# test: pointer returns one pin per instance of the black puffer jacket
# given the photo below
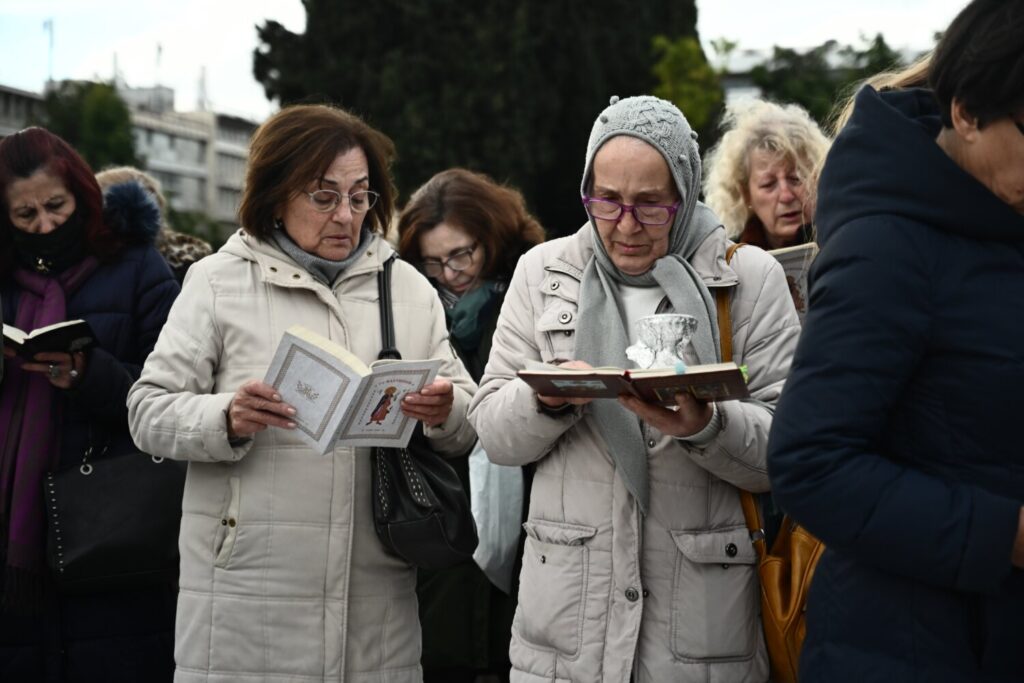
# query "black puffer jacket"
(897, 439)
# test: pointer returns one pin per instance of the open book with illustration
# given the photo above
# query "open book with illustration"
(796, 261)
(65, 337)
(711, 382)
(338, 399)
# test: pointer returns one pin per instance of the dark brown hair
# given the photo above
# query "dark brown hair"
(297, 145)
(980, 61)
(492, 214)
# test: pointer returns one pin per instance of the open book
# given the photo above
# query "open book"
(796, 261)
(66, 337)
(340, 400)
(712, 382)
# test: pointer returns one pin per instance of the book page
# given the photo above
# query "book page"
(317, 384)
(14, 334)
(375, 417)
(796, 262)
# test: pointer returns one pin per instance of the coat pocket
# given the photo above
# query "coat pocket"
(227, 532)
(715, 601)
(556, 566)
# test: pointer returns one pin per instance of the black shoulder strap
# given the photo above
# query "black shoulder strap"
(387, 320)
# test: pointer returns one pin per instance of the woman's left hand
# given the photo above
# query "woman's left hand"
(432, 404)
(687, 419)
(63, 370)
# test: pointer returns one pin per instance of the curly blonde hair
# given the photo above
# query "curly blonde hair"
(753, 124)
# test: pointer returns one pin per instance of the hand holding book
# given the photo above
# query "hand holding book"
(256, 406)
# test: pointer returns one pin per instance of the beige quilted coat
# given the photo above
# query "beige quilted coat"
(606, 592)
(282, 576)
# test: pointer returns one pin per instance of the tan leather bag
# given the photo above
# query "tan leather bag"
(785, 570)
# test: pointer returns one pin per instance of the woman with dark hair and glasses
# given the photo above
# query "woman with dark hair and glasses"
(466, 233)
(637, 563)
(282, 574)
(897, 440)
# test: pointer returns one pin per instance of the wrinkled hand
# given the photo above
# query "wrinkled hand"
(689, 417)
(62, 363)
(432, 404)
(559, 401)
(256, 406)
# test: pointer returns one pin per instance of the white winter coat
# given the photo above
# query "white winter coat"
(605, 591)
(282, 576)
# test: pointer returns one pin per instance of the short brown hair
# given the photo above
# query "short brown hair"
(492, 214)
(299, 144)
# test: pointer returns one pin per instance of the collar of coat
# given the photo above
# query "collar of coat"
(278, 268)
(570, 255)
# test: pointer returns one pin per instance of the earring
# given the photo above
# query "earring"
(278, 224)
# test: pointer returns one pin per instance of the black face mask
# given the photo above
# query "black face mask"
(53, 252)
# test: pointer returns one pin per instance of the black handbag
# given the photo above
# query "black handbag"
(420, 511)
(113, 520)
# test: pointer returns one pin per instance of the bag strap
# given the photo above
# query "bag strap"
(387, 320)
(751, 513)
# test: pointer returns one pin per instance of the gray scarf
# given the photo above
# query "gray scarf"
(601, 336)
(324, 270)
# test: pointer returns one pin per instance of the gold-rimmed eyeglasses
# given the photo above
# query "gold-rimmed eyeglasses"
(326, 201)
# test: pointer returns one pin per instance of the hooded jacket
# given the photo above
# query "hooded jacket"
(282, 575)
(897, 438)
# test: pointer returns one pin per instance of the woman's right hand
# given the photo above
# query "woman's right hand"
(256, 406)
(559, 401)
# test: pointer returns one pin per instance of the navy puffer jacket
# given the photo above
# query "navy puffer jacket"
(897, 439)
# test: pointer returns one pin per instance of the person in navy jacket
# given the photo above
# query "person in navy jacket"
(64, 256)
(897, 439)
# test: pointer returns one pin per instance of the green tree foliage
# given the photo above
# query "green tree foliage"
(686, 79)
(818, 78)
(94, 120)
(507, 88)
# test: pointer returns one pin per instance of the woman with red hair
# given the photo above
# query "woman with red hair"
(63, 256)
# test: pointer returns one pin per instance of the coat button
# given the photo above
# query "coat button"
(632, 594)
(646, 593)
(651, 443)
(223, 522)
(231, 522)
(565, 317)
(554, 286)
(731, 550)
(273, 269)
(295, 276)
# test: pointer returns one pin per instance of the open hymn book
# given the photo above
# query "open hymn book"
(65, 337)
(711, 382)
(796, 262)
(338, 399)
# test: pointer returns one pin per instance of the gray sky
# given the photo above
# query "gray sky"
(220, 35)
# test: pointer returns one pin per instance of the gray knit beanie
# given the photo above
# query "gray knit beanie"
(661, 124)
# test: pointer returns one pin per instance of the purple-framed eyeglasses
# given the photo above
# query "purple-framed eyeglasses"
(647, 214)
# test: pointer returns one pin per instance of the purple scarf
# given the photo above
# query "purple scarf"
(30, 417)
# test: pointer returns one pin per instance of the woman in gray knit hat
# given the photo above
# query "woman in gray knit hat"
(637, 565)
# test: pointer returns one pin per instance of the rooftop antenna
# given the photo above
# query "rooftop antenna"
(202, 102)
(48, 26)
(159, 53)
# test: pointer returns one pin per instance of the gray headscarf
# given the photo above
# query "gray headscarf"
(601, 337)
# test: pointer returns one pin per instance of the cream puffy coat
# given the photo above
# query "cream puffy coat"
(282, 575)
(605, 591)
